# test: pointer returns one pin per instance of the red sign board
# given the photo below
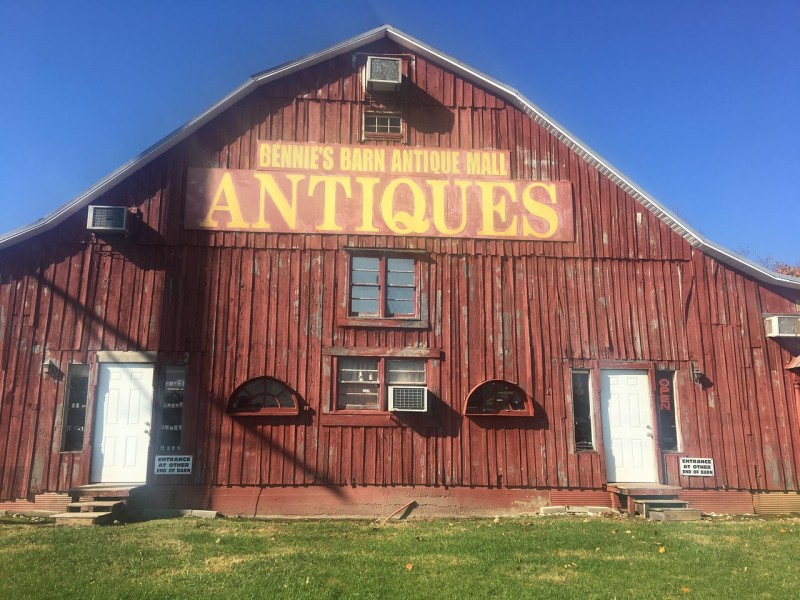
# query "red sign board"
(389, 190)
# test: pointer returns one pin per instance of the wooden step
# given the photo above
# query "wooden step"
(644, 506)
(674, 514)
(83, 518)
(103, 491)
(94, 506)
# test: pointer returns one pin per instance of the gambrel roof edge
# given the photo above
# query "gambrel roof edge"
(508, 93)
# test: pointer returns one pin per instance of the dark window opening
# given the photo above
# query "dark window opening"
(582, 411)
(382, 286)
(264, 396)
(170, 438)
(667, 422)
(498, 398)
(363, 382)
(77, 398)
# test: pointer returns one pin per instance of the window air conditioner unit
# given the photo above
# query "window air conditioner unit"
(783, 326)
(408, 398)
(109, 219)
(384, 74)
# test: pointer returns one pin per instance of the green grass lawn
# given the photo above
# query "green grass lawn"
(544, 557)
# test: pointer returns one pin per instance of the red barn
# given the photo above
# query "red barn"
(374, 276)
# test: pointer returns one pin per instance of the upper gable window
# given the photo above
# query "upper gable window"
(383, 126)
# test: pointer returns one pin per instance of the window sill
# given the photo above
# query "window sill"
(377, 419)
(383, 322)
(520, 414)
(384, 137)
(264, 413)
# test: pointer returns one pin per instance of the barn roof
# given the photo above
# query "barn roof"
(504, 91)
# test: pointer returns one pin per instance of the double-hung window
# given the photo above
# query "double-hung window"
(363, 382)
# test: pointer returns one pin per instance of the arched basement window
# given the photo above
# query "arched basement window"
(498, 398)
(263, 396)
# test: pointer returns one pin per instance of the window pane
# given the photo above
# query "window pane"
(400, 307)
(285, 399)
(365, 292)
(398, 293)
(400, 265)
(364, 307)
(494, 397)
(358, 369)
(359, 384)
(366, 263)
(77, 395)
(260, 393)
(358, 396)
(582, 410)
(381, 123)
(365, 277)
(398, 278)
(667, 429)
(403, 371)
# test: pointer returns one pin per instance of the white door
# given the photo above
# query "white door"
(628, 427)
(123, 413)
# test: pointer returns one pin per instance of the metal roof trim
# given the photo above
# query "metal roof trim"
(583, 150)
(67, 210)
(170, 140)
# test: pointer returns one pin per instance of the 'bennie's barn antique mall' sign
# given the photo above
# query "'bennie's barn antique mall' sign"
(379, 190)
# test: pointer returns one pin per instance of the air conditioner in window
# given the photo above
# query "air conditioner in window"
(783, 326)
(109, 219)
(406, 398)
(384, 74)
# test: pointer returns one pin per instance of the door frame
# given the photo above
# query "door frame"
(143, 359)
(613, 365)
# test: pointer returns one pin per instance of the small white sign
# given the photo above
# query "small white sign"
(180, 464)
(697, 467)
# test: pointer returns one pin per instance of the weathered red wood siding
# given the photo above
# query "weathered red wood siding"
(240, 305)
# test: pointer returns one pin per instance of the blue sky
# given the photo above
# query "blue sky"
(697, 102)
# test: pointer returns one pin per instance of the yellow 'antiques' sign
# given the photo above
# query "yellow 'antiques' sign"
(379, 190)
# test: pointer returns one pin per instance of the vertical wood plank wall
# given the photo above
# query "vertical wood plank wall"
(241, 305)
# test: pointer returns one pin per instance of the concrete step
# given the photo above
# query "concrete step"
(643, 507)
(83, 518)
(94, 506)
(675, 514)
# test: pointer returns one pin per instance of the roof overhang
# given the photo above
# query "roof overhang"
(509, 94)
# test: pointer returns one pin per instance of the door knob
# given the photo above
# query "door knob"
(650, 435)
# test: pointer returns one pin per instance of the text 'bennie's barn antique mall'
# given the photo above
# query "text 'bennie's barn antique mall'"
(331, 188)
